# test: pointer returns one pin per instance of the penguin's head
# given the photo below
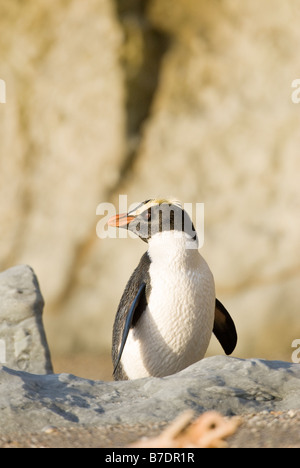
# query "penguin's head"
(153, 216)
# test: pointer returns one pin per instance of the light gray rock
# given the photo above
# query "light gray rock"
(229, 385)
(23, 344)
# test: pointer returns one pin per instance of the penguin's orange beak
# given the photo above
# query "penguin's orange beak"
(120, 220)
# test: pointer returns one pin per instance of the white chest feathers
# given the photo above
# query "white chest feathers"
(175, 329)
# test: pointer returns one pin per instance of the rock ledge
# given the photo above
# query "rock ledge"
(229, 385)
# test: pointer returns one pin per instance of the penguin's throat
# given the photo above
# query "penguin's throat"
(170, 246)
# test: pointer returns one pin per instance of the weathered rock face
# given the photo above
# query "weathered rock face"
(224, 131)
(231, 386)
(147, 98)
(23, 344)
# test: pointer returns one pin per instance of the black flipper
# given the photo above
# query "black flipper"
(224, 328)
(129, 319)
(139, 277)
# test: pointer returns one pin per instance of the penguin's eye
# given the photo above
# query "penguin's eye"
(147, 215)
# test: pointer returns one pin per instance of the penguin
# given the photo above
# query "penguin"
(168, 311)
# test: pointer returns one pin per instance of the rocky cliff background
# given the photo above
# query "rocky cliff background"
(188, 98)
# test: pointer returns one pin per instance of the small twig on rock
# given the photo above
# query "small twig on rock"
(207, 431)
